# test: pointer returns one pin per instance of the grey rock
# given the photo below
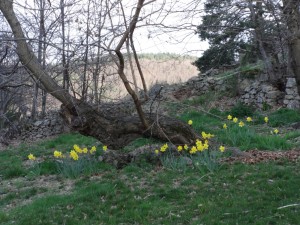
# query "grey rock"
(290, 91)
(38, 123)
(289, 97)
(291, 82)
(272, 94)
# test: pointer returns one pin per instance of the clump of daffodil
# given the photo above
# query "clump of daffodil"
(104, 148)
(190, 122)
(93, 149)
(31, 157)
(77, 149)
(58, 154)
(74, 155)
(266, 119)
(179, 148)
(225, 126)
(202, 146)
(164, 147)
(206, 135)
(249, 119)
(229, 117)
(235, 120)
(241, 124)
(222, 148)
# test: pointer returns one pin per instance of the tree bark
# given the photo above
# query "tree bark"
(117, 129)
(292, 16)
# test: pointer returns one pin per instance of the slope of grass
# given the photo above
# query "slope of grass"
(143, 193)
(237, 194)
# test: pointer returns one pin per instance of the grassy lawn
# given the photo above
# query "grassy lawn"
(40, 192)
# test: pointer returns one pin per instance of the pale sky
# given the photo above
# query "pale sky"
(171, 30)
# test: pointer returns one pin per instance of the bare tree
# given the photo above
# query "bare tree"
(107, 125)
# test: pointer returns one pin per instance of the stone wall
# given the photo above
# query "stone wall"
(51, 124)
(291, 98)
(256, 90)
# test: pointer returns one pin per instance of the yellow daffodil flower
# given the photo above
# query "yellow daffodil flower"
(190, 122)
(249, 119)
(77, 149)
(93, 149)
(276, 131)
(74, 155)
(58, 154)
(186, 147)
(31, 157)
(179, 148)
(156, 151)
(85, 150)
(164, 148)
(104, 148)
(266, 119)
(225, 126)
(222, 148)
(193, 150)
(241, 124)
(235, 120)
(229, 117)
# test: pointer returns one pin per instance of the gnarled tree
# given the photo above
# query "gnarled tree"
(109, 127)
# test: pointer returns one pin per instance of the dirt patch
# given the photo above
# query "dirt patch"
(257, 156)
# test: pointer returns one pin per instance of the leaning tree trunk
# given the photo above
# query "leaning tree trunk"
(117, 130)
(109, 127)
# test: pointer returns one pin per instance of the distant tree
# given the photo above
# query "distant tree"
(225, 26)
(241, 32)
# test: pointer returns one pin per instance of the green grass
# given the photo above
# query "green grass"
(283, 117)
(236, 194)
(145, 193)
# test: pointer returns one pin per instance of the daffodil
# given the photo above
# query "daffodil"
(85, 150)
(31, 157)
(179, 148)
(241, 124)
(58, 154)
(229, 117)
(104, 148)
(205, 146)
(190, 122)
(225, 126)
(156, 151)
(222, 148)
(266, 119)
(206, 135)
(186, 147)
(249, 119)
(276, 131)
(74, 155)
(193, 150)
(164, 148)
(235, 120)
(93, 149)
(77, 149)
